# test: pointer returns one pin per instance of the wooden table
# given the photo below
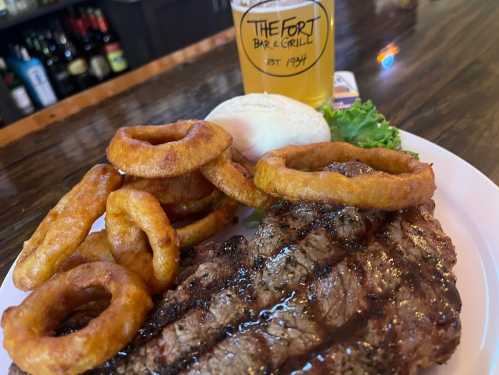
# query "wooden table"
(444, 86)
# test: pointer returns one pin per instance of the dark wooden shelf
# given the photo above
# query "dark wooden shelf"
(10, 21)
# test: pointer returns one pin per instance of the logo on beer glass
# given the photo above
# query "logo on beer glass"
(285, 40)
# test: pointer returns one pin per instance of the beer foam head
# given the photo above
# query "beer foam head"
(276, 5)
(263, 122)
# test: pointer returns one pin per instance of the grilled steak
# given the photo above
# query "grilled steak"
(320, 289)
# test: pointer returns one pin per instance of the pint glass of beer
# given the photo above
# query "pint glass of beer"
(286, 47)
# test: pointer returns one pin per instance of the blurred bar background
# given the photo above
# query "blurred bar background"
(53, 49)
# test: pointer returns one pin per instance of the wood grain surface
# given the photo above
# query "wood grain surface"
(444, 86)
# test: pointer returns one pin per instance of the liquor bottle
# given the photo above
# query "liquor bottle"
(57, 71)
(76, 64)
(111, 45)
(34, 76)
(16, 88)
(98, 66)
(94, 25)
(3, 9)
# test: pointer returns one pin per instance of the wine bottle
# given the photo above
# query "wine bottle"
(76, 64)
(114, 52)
(94, 26)
(16, 88)
(98, 66)
(56, 70)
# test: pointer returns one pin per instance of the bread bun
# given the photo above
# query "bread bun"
(263, 122)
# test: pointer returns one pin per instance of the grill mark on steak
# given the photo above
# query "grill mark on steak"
(390, 345)
(197, 288)
(301, 324)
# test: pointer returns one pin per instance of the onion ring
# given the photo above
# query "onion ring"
(131, 216)
(241, 160)
(28, 327)
(167, 150)
(402, 181)
(94, 248)
(200, 230)
(169, 190)
(235, 181)
(65, 227)
(185, 209)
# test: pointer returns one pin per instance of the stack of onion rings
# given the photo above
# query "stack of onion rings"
(28, 327)
(234, 181)
(135, 222)
(65, 227)
(402, 181)
(167, 150)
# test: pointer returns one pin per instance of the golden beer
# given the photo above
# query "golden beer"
(286, 47)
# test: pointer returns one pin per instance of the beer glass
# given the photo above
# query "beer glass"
(286, 47)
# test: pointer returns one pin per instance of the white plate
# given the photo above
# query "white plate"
(467, 205)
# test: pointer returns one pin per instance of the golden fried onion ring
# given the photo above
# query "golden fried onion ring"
(401, 181)
(167, 150)
(234, 181)
(215, 221)
(28, 327)
(131, 216)
(240, 159)
(65, 227)
(170, 190)
(186, 209)
(94, 248)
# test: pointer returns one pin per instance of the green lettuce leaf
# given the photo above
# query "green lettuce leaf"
(362, 125)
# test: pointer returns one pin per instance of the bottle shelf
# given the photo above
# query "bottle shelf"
(9, 21)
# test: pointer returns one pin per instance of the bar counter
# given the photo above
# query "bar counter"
(443, 86)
